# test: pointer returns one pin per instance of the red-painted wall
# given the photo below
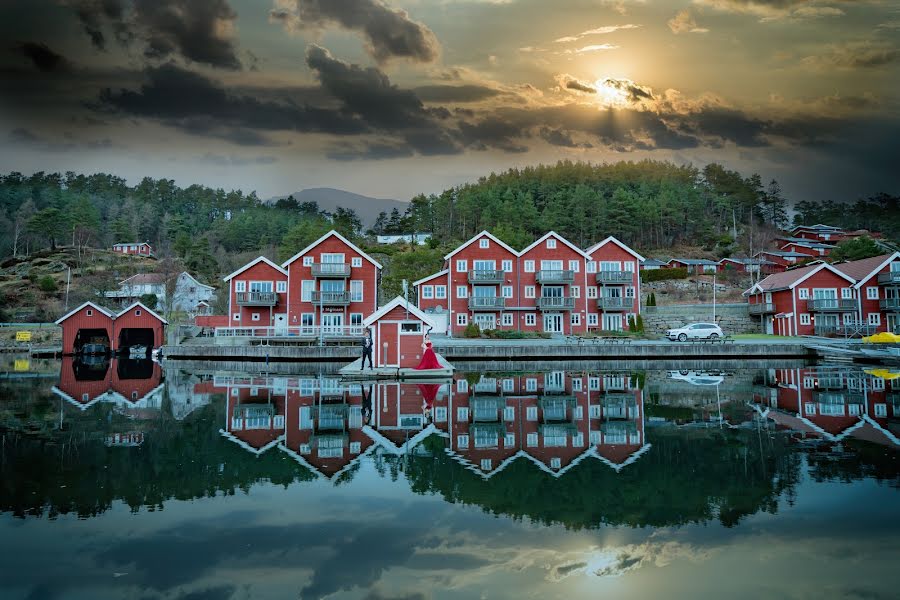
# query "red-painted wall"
(145, 320)
(82, 320)
(261, 271)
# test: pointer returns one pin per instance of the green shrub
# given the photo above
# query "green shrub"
(472, 330)
(639, 323)
(665, 274)
(149, 300)
(631, 324)
(47, 284)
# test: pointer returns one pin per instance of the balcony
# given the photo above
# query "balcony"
(491, 276)
(331, 270)
(486, 303)
(831, 305)
(256, 298)
(330, 298)
(614, 277)
(846, 397)
(891, 304)
(891, 278)
(487, 409)
(614, 304)
(555, 303)
(762, 308)
(545, 277)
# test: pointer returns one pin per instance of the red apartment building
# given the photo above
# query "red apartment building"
(257, 297)
(877, 290)
(551, 286)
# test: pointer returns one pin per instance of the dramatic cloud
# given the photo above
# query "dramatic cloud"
(683, 22)
(858, 55)
(568, 82)
(389, 32)
(43, 58)
(771, 10)
(596, 31)
(198, 30)
(455, 93)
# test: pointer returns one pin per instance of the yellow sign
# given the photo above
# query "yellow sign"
(22, 364)
(23, 336)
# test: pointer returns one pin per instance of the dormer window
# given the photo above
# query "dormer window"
(551, 244)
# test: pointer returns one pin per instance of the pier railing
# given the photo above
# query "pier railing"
(308, 331)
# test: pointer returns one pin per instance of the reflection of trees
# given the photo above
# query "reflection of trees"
(853, 461)
(688, 476)
(73, 471)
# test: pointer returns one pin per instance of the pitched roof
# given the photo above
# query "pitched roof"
(808, 244)
(480, 235)
(783, 254)
(430, 277)
(693, 261)
(792, 277)
(653, 261)
(195, 280)
(88, 303)
(618, 243)
(131, 244)
(398, 301)
(862, 270)
(144, 278)
(332, 233)
(561, 239)
(136, 304)
(250, 264)
(817, 227)
(747, 261)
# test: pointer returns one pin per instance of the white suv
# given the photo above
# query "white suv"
(708, 331)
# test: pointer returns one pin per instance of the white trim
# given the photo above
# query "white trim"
(621, 245)
(430, 277)
(88, 303)
(816, 270)
(255, 262)
(192, 278)
(889, 260)
(560, 238)
(230, 436)
(125, 310)
(477, 237)
(322, 239)
(398, 301)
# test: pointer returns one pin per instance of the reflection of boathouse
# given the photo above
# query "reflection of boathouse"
(134, 386)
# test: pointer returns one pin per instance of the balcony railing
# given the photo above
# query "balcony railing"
(892, 277)
(301, 333)
(256, 298)
(846, 397)
(331, 270)
(486, 276)
(762, 308)
(555, 303)
(486, 303)
(544, 277)
(892, 304)
(604, 303)
(330, 298)
(614, 277)
(831, 304)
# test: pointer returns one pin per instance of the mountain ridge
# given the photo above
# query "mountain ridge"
(367, 208)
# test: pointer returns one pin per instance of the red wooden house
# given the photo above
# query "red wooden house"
(616, 419)
(398, 330)
(134, 248)
(877, 290)
(782, 258)
(813, 300)
(257, 298)
(332, 284)
(616, 286)
(87, 324)
(255, 412)
(138, 325)
(809, 248)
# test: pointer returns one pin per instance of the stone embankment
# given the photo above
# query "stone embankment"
(732, 318)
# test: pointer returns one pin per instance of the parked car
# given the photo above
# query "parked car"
(696, 377)
(708, 331)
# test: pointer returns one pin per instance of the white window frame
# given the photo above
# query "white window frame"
(440, 292)
(803, 293)
(507, 265)
(591, 266)
(574, 266)
(484, 243)
(871, 293)
(138, 312)
(462, 319)
(507, 319)
(308, 261)
(356, 261)
(462, 441)
(804, 319)
(846, 293)
(254, 316)
(281, 287)
(629, 292)
(354, 296)
(576, 318)
(874, 318)
(592, 291)
(506, 291)
(307, 287)
(529, 266)
(551, 244)
(240, 286)
(530, 319)
(427, 292)
(531, 413)
(593, 319)
(462, 291)
(462, 265)
(529, 291)
(576, 291)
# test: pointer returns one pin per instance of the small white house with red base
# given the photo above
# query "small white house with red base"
(398, 331)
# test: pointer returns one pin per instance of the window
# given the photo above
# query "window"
(462, 441)
(530, 319)
(137, 312)
(427, 292)
(462, 291)
(576, 291)
(462, 266)
(89, 312)
(261, 286)
(881, 410)
(356, 261)
(507, 319)
(240, 286)
(307, 261)
(509, 440)
(847, 293)
(874, 318)
(804, 319)
(307, 319)
(529, 266)
(462, 319)
(529, 291)
(573, 265)
(462, 413)
(506, 291)
(592, 319)
(592, 291)
(356, 319)
(356, 291)
(531, 384)
(629, 292)
(307, 286)
(592, 266)
(576, 318)
(462, 386)
(555, 463)
(254, 316)
(440, 414)
(440, 291)
(803, 293)
(485, 464)
(507, 266)
(629, 266)
(808, 383)
(531, 413)
(551, 244)
(872, 293)
(532, 439)
(576, 385)
(282, 287)
(355, 447)
(484, 243)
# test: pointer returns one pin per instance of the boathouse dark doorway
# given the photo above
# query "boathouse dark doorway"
(135, 336)
(94, 341)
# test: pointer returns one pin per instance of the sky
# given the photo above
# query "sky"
(391, 98)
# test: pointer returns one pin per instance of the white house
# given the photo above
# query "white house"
(189, 295)
(410, 238)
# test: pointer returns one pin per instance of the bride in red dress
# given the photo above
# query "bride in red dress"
(429, 358)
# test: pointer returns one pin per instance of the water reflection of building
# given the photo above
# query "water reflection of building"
(254, 410)
(188, 391)
(135, 387)
(832, 403)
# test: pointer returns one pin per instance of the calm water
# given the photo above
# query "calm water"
(125, 480)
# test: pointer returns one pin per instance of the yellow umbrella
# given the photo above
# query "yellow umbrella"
(883, 338)
(883, 373)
